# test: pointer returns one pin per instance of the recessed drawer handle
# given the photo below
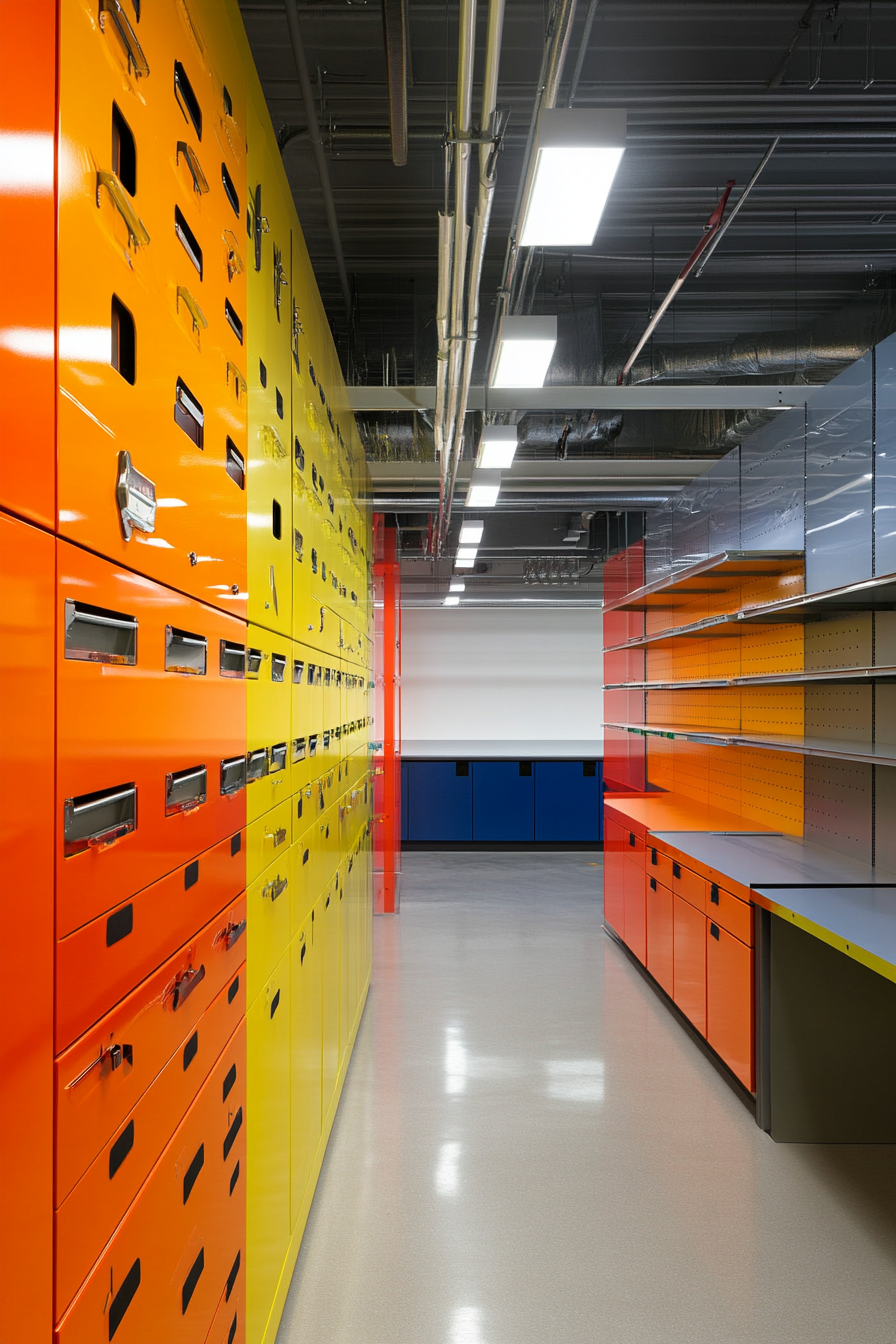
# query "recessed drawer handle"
(714, 894)
(631, 839)
(96, 820)
(714, 930)
(653, 884)
(185, 652)
(653, 858)
(257, 766)
(113, 1056)
(186, 983)
(278, 757)
(676, 870)
(94, 635)
(232, 659)
(136, 59)
(233, 775)
(185, 789)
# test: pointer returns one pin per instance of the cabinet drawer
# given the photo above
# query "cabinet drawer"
(102, 1076)
(268, 838)
(97, 965)
(729, 1001)
(730, 912)
(659, 865)
(689, 885)
(85, 1220)
(660, 958)
(689, 970)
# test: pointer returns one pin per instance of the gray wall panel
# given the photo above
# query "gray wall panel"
(839, 804)
(839, 469)
(885, 458)
(657, 544)
(773, 485)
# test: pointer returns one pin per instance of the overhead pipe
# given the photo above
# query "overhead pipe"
(583, 50)
(489, 129)
(395, 41)
(298, 51)
(720, 233)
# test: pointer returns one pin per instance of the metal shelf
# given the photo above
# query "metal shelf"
(720, 570)
(867, 753)
(854, 676)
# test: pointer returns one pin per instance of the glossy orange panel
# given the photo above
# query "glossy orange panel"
(689, 970)
(98, 965)
(614, 901)
(133, 725)
(86, 1218)
(27, 654)
(659, 933)
(174, 1249)
(730, 912)
(633, 888)
(729, 1001)
(28, 292)
(103, 1075)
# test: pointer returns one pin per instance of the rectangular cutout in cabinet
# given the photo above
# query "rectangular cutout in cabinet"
(278, 758)
(230, 190)
(95, 820)
(188, 240)
(95, 635)
(298, 668)
(299, 747)
(188, 414)
(124, 341)
(236, 466)
(185, 789)
(278, 666)
(233, 320)
(185, 652)
(253, 662)
(189, 103)
(232, 659)
(257, 766)
(124, 152)
(233, 775)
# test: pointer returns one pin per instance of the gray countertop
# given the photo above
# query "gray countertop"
(859, 921)
(501, 749)
(768, 860)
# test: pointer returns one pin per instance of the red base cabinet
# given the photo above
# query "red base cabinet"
(660, 934)
(729, 1001)
(689, 978)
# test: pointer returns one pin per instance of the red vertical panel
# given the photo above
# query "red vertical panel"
(614, 902)
(689, 976)
(387, 761)
(729, 1001)
(659, 933)
(27, 578)
(28, 233)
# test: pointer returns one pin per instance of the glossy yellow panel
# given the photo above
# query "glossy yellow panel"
(268, 706)
(267, 908)
(267, 838)
(306, 1059)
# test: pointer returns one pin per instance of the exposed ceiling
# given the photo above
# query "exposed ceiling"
(707, 85)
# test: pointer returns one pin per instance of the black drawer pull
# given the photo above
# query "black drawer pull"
(227, 1085)
(124, 1297)
(119, 924)
(192, 1173)
(231, 1277)
(676, 870)
(714, 930)
(191, 1281)
(631, 839)
(185, 984)
(120, 1148)
(714, 894)
(653, 884)
(232, 1133)
(191, 1049)
(653, 858)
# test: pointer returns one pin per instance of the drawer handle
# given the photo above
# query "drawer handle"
(653, 884)
(185, 790)
(200, 182)
(197, 316)
(631, 839)
(277, 836)
(137, 234)
(113, 1056)
(653, 858)
(136, 59)
(714, 894)
(185, 652)
(714, 930)
(186, 983)
(231, 934)
(97, 820)
(95, 635)
(275, 889)
(676, 870)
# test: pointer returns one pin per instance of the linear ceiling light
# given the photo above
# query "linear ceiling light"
(457, 586)
(577, 152)
(497, 447)
(451, 601)
(471, 532)
(484, 489)
(525, 350)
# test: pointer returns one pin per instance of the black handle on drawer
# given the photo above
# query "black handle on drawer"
(714, 893)
(186, 983)
(714, 930)
(676, 870)
(653, 858)
(653, 884)
(631, 839)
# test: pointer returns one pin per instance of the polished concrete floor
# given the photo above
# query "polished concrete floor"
(530, 1149)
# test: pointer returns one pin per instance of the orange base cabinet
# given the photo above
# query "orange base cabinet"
(729, 1002)
(689, 971)
(614, 903)
(660, 933)
(633, 887)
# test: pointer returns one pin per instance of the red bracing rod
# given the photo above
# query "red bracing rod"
(709, 229)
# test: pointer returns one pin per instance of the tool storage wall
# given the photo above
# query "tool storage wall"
(185, 674)
(750, 666)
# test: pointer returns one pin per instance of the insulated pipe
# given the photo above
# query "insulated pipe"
(298, 51)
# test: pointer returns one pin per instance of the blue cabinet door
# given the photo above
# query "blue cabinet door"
(567, 800)
(503, 800)
(439, 800)
(404, 800)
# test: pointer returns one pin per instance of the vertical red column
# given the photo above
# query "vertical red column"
(387, 717)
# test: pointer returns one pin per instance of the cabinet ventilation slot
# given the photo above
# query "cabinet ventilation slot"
(188, 414)
(188, 240)
(95, 635)
(189, 103)
(185, 652)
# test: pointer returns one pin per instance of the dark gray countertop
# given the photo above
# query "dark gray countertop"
(859, 921)
(769, 860)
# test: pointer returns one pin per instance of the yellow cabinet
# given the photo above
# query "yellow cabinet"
(306, 1061)
(268, 838)
(269, 720)
(267, 913)
(326, 935)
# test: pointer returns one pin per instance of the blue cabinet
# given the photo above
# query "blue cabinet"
(439, 800)
(503, 800)
(404, 799)
(568, 800)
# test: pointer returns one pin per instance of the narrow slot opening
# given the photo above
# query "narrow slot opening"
(279, 402)
(124, 341)
(188, 240)
(124, 152)
(189, 103)
(276, 519)
(228, 101)
(236, 467)
(235, 322)
(299, 453)
(188, 414)
(230, 190)
(262, 373)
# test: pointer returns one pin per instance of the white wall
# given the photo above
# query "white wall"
(501, 673)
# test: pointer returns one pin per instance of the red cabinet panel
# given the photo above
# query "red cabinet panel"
(689, 971)
(729, 1002)
(660, 933)
(635, 933)
(614, 901)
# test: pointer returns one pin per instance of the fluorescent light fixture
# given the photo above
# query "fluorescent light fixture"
(497, 447)
(465, 562)
(451, 601)
(456, 586)
(525, 350)
(484, 489)
(471, 533)
(467, 552)
(577, 152)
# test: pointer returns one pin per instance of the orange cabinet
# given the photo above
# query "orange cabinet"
(151, 724)
(161, 1275)
(731, 913)
(659, 864)
(635, 902)
(689, 961)
(689, 885)
(103, 1075)
(86, 1218)
(97, 965)
(660, 933)
(729, 1001)
(27, 655)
